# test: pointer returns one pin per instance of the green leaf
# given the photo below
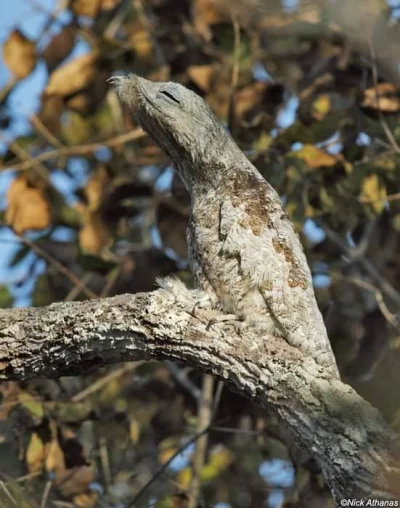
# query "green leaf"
(6, 300)
(68, 412)
(32, 406)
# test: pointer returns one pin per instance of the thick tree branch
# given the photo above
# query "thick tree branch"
(357, 451)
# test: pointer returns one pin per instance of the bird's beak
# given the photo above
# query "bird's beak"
(116, 80)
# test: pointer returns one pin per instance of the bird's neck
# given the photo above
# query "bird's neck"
(214, 171)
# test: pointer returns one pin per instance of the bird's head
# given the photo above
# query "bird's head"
(181, 123)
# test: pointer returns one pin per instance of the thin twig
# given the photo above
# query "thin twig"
(115, 24)
(60, 6)
(16, 403)
(390, 197)
(357, 254)
(8, 493)
(385, 126)
(7, 89)
(59, 266)
(77, 150)
(41, 128)
(76, 290)
(325, 79)
(134, 502)
(391, 318)
(235, 72)
(44, 131)
(158, 52)
(25, 477)
(24, 156)
(98, 385)
(46, 493)
(217, 397)
(233, 430)
(180, 375)
(205, 414)
(112, 277)
(105, 461)
(236, 53)
(386, 287)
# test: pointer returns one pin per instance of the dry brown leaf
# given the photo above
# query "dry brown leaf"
(95, 235)
(218, 462)
(204, 15)
(91, 8)
(310, 14)
(374, 193)
(263, 143)
(67, 433)
(248, 98)
(134, 430)
(54, 456)
(165, 454)
(107, 5)
(35, 454)
(384, 97)
(28, 206)
(59, 47)
(86, 500)
(184, 478)
(314, 157)
(321, 107)
(162, 73)
(74, 481)
(141, 42)
(79, 103)
(88, 8)
(73, 76)
(19, 54)
(9, 398)
(96, 187)
(201, 75)
(50, 113)
(180, 500)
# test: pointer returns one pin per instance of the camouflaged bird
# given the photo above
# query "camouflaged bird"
(243, 249)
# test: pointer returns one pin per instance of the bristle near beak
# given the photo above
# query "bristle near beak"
(116, 80)
(119, 83)
(126, 87)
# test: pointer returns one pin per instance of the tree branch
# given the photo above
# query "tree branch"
(358, 452)
(68, 151)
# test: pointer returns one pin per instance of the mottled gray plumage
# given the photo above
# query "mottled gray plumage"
(243, 249)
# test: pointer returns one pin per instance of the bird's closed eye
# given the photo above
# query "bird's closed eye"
(170, 96)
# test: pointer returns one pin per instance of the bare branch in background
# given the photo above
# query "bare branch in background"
(375, 77)
(76, 281)
(204, 418)
(69, 151)
(357, 254)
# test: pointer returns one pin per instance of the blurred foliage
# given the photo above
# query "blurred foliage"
(96, 210)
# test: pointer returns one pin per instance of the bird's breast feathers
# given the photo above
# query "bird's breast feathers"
(247, 236)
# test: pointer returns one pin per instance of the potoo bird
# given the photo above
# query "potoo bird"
(243, 249)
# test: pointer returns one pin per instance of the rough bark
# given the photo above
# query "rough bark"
(356, 449)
